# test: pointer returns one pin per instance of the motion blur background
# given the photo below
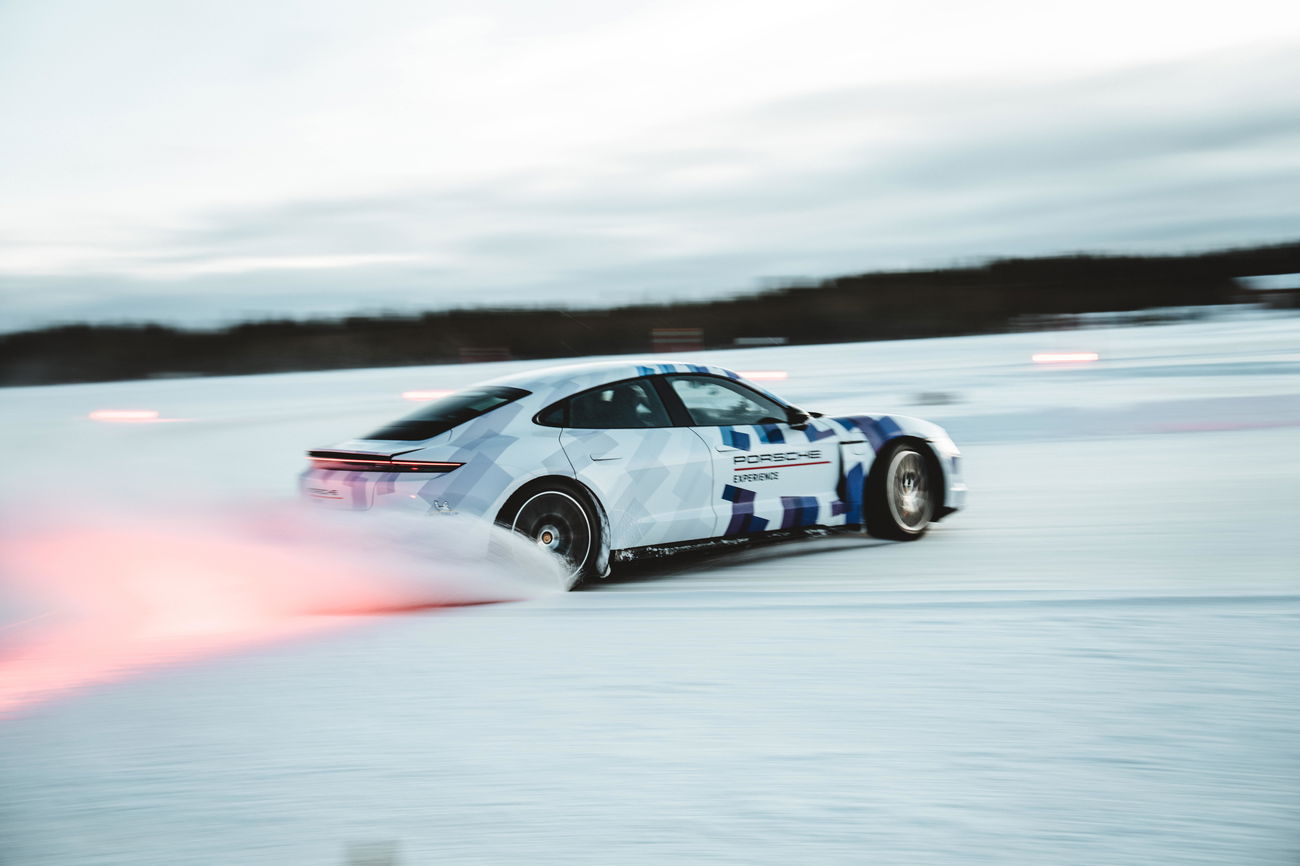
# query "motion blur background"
(1071, 234)
(199, 164)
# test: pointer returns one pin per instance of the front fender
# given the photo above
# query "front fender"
(881, 430)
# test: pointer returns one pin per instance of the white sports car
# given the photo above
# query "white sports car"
(602, 462)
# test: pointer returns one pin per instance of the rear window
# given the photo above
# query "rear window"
(451, 411)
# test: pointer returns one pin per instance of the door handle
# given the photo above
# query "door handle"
(608, 455)
(725, 448)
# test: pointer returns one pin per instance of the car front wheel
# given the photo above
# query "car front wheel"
(900, 494)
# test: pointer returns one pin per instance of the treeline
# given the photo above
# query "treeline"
(961, 300)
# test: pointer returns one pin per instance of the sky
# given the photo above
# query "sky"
(200, 163)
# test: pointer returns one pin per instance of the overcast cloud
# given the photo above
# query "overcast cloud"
(199, 162)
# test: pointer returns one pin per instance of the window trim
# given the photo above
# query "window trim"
(563, 405)
(677, 411)
(655, 389)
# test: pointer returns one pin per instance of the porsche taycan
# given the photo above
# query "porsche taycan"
(600, 463)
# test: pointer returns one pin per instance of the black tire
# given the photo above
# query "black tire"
(560, 520)
(901, 496)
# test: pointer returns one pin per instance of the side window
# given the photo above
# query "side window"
(713, 402)
(619, 406)
(554, 416)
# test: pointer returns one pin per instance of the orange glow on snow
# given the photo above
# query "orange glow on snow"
(427, 395)
(102, 595)
(123, 600)
(757, 375)
(1065, 357)
(124, 415)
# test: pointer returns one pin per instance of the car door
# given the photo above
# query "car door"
(653, 477)
(767, 474)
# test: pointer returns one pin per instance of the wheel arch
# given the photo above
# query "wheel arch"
(931, 459)
(520, 494)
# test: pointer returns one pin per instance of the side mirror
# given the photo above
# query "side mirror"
(796, 418)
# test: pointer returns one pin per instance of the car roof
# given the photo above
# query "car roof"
(591, 374)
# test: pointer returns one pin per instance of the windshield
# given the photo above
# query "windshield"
(452, 411)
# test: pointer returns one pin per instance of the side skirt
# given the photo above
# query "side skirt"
(661, 551)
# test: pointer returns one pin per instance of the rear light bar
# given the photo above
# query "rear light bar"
(355, 463)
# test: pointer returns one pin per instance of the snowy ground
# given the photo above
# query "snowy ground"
(1098, 662)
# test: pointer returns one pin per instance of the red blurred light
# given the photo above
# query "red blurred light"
(426, 395)
(1065, 357)
(124, 415)
(764, 374)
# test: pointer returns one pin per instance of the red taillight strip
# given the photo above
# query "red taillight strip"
(432, 465)
(379, 464)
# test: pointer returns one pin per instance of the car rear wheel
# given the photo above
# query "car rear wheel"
(900, 493)
(560, 523)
